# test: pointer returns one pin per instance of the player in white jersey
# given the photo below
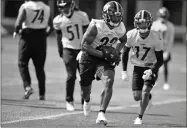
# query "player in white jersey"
(92, 60)
(147, 58)
(167, 29)
(33, 24)
(70, 26)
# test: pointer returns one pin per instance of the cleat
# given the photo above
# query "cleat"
(28, 91)
(138, 121)
(166, 87)
(70, 106)
(101, 119)
(86, 108)
(41, 97)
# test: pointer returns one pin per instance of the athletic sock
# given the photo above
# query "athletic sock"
(102, 111)
(150, 96)
(140, 116)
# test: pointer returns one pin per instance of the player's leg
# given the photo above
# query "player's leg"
(82, 100)
(87, 72)
(106, 73)
(39, 58)
(23, 60)
(148, 85)
(137, 85)
(69, 58)
(167, 58)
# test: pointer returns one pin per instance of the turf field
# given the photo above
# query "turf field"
(168, 110)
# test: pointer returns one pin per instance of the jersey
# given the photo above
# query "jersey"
(105, 35)
(71, 28)
(168, 32)
(37, 15)
(143, 50)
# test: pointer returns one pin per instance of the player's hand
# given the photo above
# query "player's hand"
(165, 55)
(147, 74)
(14, 35)
(124, 76)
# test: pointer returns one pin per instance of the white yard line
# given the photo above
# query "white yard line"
(76, 113)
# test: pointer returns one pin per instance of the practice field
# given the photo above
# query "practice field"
(168, 110)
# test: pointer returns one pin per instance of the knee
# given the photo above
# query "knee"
(137, 97)
(71, 77)
(22, 64)
(145, 93)
(108, 82)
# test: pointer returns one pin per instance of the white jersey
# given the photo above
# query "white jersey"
(105, 35)
(71, 28)
(37, 14)
(143, 50)
(168, 32)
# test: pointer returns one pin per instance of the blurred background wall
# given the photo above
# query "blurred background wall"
(177, 8)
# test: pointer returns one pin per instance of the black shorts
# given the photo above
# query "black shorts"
(137, 80)
(92, 67)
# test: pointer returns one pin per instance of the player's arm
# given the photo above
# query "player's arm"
(85, 21)
(59, 42)
(84, 28)
(125, 57)
(171, 36)
(126, 49)
(159, 54)
(57, 27)
(122, 40)
(20, 19)
(88, 39)
(50, 26)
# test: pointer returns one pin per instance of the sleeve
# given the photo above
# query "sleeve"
(85, 19)
(20, 19)
(128, 43)
(159, 42)
(57, 21)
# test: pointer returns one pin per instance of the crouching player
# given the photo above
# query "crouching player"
(147, 58)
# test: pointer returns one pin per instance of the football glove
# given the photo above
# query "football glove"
(124, 76)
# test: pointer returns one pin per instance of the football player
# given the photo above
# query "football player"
(33, 24)
(167, 29)
(94, 62)
(70, 25)
(147, 58)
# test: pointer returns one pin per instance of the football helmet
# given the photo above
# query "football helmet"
(112, 14)
(163, 13)
(143, 21)
(66, 6)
